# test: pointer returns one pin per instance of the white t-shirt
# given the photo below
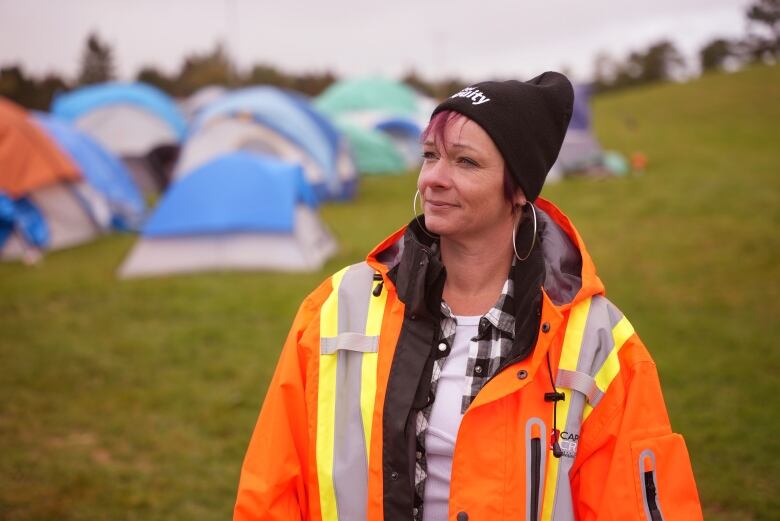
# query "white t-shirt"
(445, 420)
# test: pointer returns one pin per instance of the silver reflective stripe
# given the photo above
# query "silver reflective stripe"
(563, 509)
(597, 341)
(581, 382)
(349, 342)
(350, 468)
(354, 297)
(597, 344)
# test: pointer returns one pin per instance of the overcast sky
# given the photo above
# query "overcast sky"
(471, 39)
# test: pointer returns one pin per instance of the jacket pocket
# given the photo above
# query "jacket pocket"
(534, 467)
(666, 490)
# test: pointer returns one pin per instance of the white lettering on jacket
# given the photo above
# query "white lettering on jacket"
(475, 95)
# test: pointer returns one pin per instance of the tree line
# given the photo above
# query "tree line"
(660, 61)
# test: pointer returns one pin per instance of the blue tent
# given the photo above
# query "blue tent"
(292, 117)
(400, 125)
(74, 104)
(23, 216)
(581, 151)
(326, 127)
(241, 211)
(580, 115)
(103, 171)
(235, 192)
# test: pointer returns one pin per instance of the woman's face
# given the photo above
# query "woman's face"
(461, 184)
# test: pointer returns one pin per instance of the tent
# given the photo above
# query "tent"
(28, 157)
(101, 169)
(374, 151)
(405, 134)
(241, 211)
(132, 120)
(45, 204)
(580, 150)
(368, 94)
(379, 105)
(200, 99)
(278, 123)
(401, 131)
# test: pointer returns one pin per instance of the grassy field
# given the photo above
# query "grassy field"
(134, 400)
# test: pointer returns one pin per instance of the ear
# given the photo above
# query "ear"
(519, 198)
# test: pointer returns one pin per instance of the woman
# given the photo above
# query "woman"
(471, 367)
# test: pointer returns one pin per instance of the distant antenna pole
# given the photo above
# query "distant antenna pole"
(231, 28)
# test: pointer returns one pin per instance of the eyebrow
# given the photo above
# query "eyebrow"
(431, 143)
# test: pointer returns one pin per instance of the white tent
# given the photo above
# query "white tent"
(72, 214)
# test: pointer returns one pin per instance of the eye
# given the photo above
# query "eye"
(428, 155)
(467, 161)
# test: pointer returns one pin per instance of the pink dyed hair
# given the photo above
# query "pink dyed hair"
(436, 127)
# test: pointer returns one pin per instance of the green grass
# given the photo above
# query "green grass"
(136, 399)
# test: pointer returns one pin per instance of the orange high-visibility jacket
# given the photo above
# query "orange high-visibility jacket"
(335, 439)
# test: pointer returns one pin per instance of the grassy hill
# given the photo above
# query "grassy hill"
(136, 399)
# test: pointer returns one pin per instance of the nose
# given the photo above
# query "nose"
(434, 175)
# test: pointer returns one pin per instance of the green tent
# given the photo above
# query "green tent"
(373, 151)
(368, 94)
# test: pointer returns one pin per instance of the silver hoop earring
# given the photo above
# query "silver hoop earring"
(417, 217)
(514, 236)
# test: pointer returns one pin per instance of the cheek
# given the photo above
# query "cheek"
(488, 189)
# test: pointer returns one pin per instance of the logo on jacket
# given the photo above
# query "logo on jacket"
(568, 443)
(475, 95)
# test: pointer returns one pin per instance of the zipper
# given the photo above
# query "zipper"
(650, 490)
(536, 469)
(652, 506)
(534, 454)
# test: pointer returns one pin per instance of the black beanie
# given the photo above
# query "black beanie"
(526, 120)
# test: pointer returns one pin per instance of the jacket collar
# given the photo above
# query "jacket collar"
(419, 275)
(570, 275)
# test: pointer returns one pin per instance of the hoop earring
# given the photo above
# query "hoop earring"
(514, 236)
(417, 217)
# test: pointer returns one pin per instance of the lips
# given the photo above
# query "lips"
(439, 204)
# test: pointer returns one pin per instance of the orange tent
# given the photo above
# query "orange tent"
(28, 158)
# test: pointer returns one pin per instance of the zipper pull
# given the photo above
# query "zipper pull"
(378, 289)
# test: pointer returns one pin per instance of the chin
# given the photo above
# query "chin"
(438, 226)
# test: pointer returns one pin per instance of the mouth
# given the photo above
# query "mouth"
(439, 204)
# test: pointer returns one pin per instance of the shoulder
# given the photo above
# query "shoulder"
(612, 364)
(604, 344)
(350, 283)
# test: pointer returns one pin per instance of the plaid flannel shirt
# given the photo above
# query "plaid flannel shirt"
(487, 351)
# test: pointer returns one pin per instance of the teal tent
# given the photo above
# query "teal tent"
(375, 94)
(372, 150)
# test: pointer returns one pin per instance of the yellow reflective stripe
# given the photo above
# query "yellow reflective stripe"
(326, 405)
(552, 463)
(586, 411)
(620, 333)
(367, 394)
(570, 352)
(572, 340)
(376, 310)
(329, 314)
(326, 419)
